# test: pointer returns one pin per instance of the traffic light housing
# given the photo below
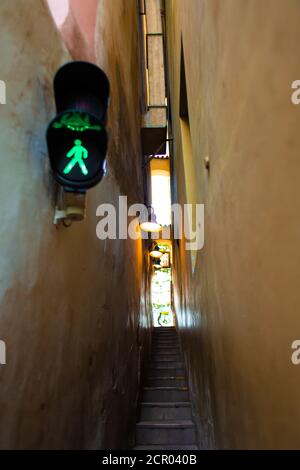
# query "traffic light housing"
(76, 137)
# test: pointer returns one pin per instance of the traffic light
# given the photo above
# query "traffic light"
(76, 137)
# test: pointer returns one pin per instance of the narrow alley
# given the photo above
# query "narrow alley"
(149, 237)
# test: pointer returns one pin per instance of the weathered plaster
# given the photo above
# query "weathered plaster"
(73, 309)
(239, 313)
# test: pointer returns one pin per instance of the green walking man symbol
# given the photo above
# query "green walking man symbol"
(78, 152)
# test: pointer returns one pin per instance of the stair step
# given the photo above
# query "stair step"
(164, 349)
(165, 343)
(165, 335)
(166, 364)
(167, 381)
(166, 357)
(166, 394)
(174, 341)
(164, 328)
(168, 424)
(166, 371)
(159, 343)
(166, 447)
(173, 334)
(165, 432)
(166, 411)
(157, 355)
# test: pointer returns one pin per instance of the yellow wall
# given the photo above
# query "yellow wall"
(72, 307)
(239, 312)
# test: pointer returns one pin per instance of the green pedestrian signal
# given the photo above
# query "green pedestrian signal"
(78, 152)
(76, 137)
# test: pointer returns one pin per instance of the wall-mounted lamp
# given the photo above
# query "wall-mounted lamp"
(155, 252)
(150, 224)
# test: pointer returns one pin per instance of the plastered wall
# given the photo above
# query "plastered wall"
(238, 313)
(73, 309)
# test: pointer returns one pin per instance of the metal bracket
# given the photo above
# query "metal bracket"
(70, 207)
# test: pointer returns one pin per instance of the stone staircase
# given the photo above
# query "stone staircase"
(166, 419)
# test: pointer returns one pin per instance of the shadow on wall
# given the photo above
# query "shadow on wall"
(76, 22)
